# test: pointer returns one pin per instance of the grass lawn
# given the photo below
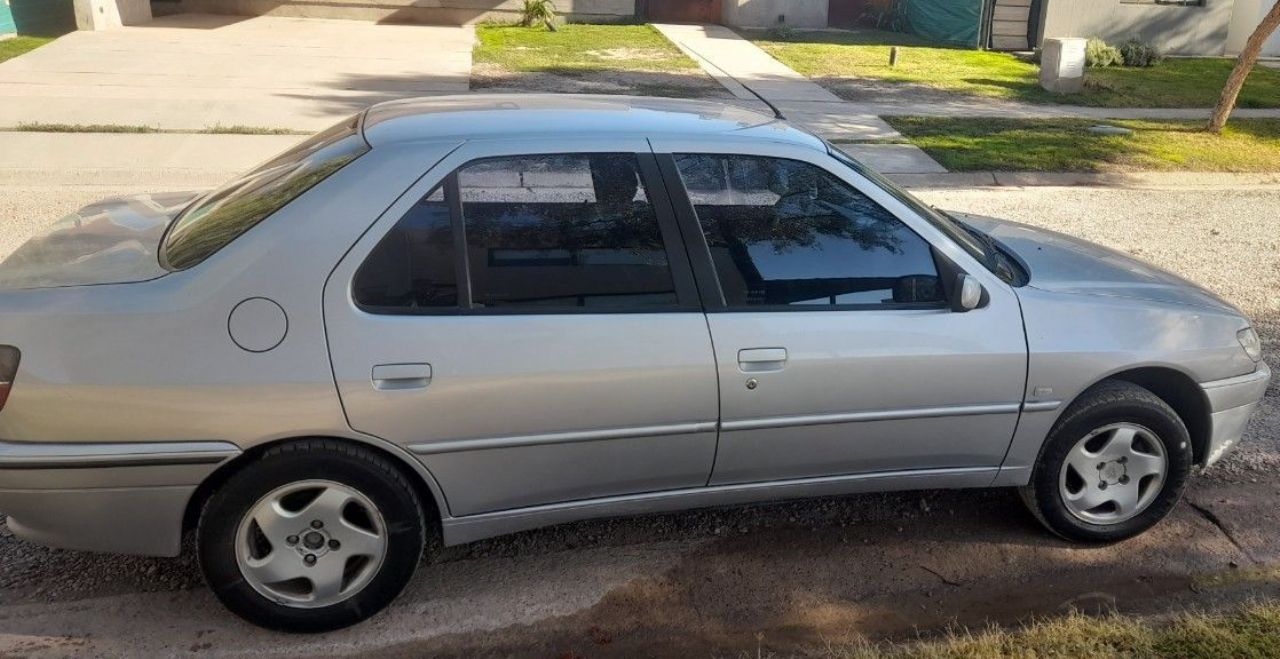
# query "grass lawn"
(587, 58)
(11, 48)
(1065, 145)
(855, 65)
(1249, 631)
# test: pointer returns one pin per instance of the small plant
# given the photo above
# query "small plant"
(1136, 52)
(890, 15)
(535, 12)
(782, 33)
(1098, 54)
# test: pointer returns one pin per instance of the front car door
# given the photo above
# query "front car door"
(525, 321)
(836, 349)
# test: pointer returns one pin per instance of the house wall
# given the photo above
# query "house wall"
(439, 12)
(1176, 30)
(764, 13)
(1244, 20)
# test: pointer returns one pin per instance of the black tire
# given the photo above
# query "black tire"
(1105, 404)
(363, 470)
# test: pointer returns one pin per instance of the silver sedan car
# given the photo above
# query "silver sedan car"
(465, 317)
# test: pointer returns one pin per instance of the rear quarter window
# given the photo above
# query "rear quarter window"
(221, 216)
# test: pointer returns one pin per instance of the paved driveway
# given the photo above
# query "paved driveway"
(193, 72)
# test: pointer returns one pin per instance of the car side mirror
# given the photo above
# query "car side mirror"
(968, 294)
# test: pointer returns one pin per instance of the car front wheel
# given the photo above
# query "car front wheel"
(1114, 465)
(312, 536)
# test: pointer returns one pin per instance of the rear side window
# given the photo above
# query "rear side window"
(549, 233)
(413, 267)
(787, 233)
(221, 216)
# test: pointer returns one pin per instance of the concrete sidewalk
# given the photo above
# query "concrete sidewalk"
(191, 72)
(106, 152)
(722, 53)
(748, 72)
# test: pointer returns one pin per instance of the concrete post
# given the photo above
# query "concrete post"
(1062, 65)
(107, 14)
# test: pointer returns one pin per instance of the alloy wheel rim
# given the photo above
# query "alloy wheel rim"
(311, 544)
(1113, 474)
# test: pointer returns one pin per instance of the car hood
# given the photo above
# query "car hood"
(1061, 263)
(109, 242)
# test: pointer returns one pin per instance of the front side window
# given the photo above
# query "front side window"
(221, 216)
(787, 233)
(542, 233)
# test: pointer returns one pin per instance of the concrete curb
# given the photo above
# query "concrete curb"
(1180, 180)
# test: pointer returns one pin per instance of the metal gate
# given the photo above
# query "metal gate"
(682, 11)
(1012, 24)
(848, 13)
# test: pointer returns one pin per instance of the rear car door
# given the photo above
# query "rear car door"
(837, 351)
(529, 327)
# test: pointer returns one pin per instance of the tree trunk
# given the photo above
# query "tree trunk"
(1244, 64)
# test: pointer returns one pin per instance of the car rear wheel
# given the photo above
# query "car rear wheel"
(312, 536)
(1113, 466)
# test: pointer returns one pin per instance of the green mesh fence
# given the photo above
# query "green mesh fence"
(956, 22)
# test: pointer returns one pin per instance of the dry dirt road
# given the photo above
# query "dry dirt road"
(786, 577)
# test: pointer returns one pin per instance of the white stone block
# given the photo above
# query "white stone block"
(1062, 65)
(107, 14)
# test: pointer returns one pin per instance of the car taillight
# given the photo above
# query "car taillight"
(9, 357)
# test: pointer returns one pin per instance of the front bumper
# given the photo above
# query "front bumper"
(1231, 403)
(121, 498)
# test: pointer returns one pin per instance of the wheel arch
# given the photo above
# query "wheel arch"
(1180, 392)
(424, 484)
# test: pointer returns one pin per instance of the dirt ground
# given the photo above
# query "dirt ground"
(786, 578)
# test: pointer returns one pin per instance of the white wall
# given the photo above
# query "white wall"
(764, 13)
(1244, 20)
(106, 14)
(441, 12)
(1174, 29)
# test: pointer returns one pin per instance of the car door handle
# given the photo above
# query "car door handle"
(391, 377)
(756, 360)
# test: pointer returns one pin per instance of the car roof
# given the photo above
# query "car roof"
(484, 116)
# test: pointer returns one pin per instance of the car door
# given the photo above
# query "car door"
(837, 351)
(527, 324)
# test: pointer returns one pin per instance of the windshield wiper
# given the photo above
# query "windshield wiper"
(989, 249)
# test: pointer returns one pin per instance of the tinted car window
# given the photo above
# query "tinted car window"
(784, 232)
(938, 219)
(413, 266)
(563, 231)
(223, 215)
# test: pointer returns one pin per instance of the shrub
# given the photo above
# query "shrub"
(1098, 54)
(538, 11)
(782, 33)
(1139, 53)
(890, 15)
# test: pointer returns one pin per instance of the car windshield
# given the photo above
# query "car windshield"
(945, 224)
(221, 216)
